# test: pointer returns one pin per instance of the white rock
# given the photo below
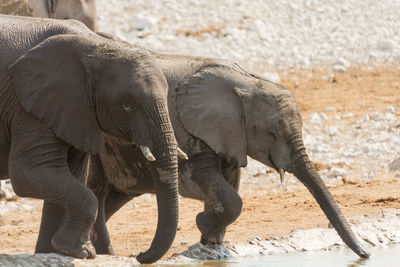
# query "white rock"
(365, 118)
(323, 116)
(395, 165)
(140, 23)
(390, 109)
(315, 118)
(339, 68)
(385, 45)
(28, 208)
(272, 76)
(328, 77)
(333, 130)
(389, 117)
(339, 171)
(342, 62)
(347, 115)
(330, 108)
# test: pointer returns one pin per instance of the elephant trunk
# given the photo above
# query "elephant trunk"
(307, 174)
(165, 177)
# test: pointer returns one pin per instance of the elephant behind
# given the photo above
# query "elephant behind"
(64, 90)
(220, 114)
(82, 10)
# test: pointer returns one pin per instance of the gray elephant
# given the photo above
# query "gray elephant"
(82, 10)
(220, 114)
(64, 90)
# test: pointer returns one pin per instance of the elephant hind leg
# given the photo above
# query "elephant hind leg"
(52, 217)
(38, 169)
(223, 204)
(109, 203)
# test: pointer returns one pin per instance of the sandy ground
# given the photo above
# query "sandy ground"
(358, 90)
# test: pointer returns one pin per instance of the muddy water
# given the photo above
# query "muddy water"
(344, 257)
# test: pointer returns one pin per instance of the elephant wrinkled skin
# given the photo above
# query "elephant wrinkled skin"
(220, 114)
(64, 91)
(82, 10)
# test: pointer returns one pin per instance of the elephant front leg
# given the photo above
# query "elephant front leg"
(38, 169)
(222, 204)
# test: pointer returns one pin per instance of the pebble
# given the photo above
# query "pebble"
(323, 116)
(330, 109)
(339, 68)
(315, 118)
(272, 76)
(395, 165)
(336, 172)
(347, 115)
(390, 109)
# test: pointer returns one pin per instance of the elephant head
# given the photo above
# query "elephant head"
(86, 87)
(82, 10)
(247, 115)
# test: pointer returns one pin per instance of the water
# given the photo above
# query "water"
(345, 257)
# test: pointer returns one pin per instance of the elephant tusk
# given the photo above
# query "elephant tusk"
(147, 153)
(281, 174)
(182, 154)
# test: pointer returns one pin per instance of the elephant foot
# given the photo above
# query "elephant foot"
(212, 233)
(71, 244)
(207, 252)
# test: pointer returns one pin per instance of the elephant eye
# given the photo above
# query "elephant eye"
(127, 106)
(272, 135)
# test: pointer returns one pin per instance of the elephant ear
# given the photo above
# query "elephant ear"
(52, 83)
(210, 109)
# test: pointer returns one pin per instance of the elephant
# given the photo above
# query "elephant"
(64, 91)
(220, 114)
(82, 10)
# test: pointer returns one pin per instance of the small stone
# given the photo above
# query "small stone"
(339, 68)
(385, 45)
(323, 116)
(315, 118)
(333, 131)
(328, 77)
(138, 23)
(342, 62)
(338, 171)
(389, 117)
(347, 115)
(365, 118)
(330, 109)
(27, 207)
(390, 109)
(395, 165)
(272, 76)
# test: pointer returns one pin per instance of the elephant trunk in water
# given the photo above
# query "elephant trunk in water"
(165, 176)
(307, 174)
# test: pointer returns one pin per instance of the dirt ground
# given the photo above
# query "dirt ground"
(358, 90)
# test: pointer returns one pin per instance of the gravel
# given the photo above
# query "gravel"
(262, 34)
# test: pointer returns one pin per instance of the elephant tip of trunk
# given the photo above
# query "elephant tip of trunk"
(363, 253)
(143, 258)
